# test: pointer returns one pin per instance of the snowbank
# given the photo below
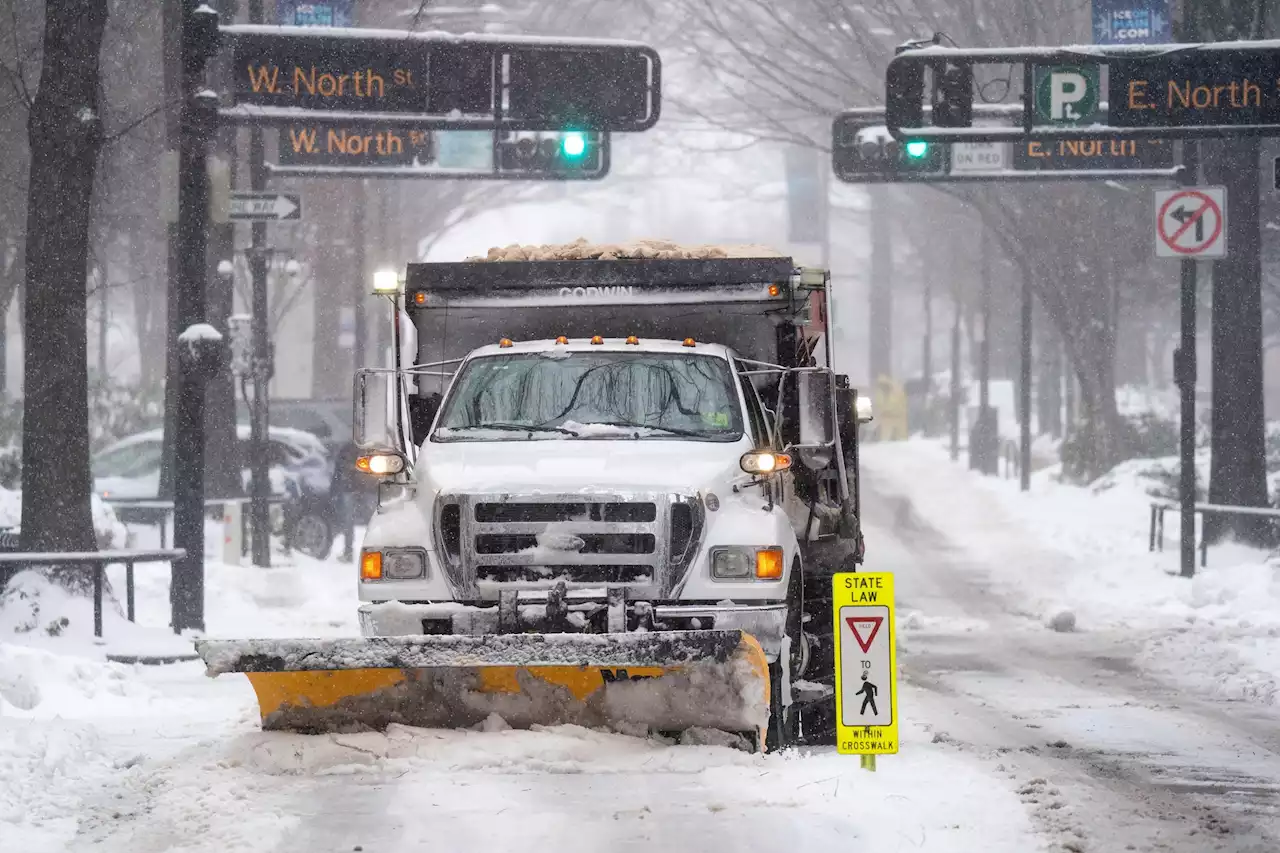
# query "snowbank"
(110, 532)
(36, 612)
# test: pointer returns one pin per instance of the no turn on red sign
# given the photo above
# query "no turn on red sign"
(1191, 223)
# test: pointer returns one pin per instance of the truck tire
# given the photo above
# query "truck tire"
(817, 720)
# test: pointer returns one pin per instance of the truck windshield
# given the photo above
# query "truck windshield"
(573, 394)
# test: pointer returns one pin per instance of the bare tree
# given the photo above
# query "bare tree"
(65, 136)
(781, 71)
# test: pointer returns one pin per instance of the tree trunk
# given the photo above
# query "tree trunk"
(65, 134)
(1238, 472)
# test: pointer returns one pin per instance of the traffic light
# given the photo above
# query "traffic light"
(952, 95)
(568, 155)
(863, 152)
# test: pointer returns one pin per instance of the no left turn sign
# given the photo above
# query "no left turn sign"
(1191, 223)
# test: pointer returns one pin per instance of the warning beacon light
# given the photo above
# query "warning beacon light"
(386, 281)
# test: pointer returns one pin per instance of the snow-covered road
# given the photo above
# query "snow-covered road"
(1016, 737)
(1105, 755)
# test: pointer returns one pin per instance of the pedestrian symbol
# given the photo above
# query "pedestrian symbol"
(866, 669)
(868, 690)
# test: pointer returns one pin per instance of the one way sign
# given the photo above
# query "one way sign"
(265, 207)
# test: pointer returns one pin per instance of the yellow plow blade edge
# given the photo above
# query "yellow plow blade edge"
(660, 681)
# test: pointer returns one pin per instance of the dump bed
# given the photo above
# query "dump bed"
(753, 305)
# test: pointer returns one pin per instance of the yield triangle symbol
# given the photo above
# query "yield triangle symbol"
(870, 625)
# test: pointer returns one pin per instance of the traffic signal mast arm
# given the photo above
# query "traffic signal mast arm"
(1174, 91)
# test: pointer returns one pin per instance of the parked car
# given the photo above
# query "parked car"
(301, 470)
(328, 420)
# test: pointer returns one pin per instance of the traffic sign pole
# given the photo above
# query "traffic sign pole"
(259, 413)
(1184, 370)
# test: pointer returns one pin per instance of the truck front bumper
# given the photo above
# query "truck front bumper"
(766, 622)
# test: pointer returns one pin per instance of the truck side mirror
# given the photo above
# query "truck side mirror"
(373, 419)
(815, 416)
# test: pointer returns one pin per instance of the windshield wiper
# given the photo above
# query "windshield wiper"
(692, 433)
(518, 428)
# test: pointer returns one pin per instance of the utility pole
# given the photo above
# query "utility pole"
(1024, 389)
(259, 416)
(197, 354)
(955, 375)
(984, 438)
(880, 312)
(926, 356)
(360, 281)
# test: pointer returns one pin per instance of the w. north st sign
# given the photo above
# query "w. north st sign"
(457, 82)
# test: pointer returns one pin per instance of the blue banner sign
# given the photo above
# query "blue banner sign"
(299, 13)
(1131, 22)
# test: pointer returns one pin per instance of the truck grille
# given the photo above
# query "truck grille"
(644, 542)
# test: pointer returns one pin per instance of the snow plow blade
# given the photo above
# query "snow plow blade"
(668, 681)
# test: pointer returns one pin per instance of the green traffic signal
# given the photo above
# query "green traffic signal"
(573, 145)
(917, 148)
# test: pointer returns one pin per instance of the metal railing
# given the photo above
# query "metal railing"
(1158, 509)
(154, 512)
(99, 560)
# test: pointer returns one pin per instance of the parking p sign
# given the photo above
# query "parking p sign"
(1066, 94)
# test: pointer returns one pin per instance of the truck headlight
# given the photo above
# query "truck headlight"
(393, 565)
(730, 563)
(747, 562)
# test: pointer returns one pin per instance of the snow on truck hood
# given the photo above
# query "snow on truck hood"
(574, 465)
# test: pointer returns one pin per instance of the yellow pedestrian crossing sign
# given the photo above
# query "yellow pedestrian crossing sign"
(866, 664)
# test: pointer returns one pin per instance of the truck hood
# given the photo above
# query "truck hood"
(574, 465)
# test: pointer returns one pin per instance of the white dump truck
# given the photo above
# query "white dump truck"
(615, 487)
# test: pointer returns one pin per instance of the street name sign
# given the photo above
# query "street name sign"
(866, 664)
(283, 74)
(265, 207)
(1202, 89)
(346, 144)
(1191, 223)
(1112, 154)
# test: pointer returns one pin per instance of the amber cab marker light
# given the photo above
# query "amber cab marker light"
(421, 298)
(774, 290)
(769, 563)
(371, 566)
(596, 339)
(690, 342)
(633, 340)
(764, 462)
(563, 339)
(506, 342)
